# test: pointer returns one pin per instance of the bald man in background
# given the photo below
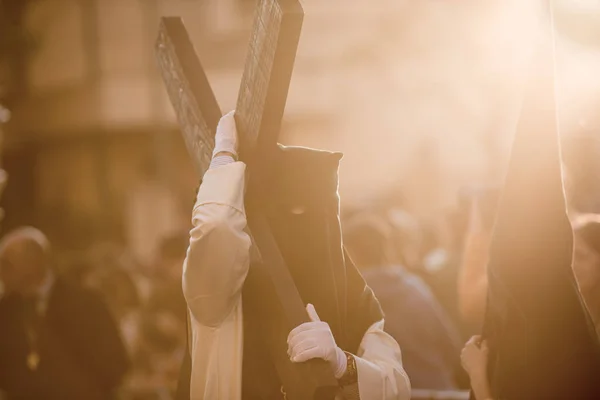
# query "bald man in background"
(57, 340)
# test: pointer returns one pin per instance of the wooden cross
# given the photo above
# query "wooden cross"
(269, 288)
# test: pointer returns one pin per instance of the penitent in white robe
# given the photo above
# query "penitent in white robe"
(215, 268)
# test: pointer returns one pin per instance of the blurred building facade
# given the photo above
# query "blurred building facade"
(419, 97)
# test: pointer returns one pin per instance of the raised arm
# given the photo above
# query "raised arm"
(217, 259)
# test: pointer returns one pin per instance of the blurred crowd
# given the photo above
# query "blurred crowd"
(147, 303)
(429, 275)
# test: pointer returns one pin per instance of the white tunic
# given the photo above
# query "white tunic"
(215, 268)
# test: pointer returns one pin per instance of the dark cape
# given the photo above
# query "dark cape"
(542, 345)
(302, 208)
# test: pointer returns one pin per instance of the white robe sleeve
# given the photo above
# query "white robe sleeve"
(379, 366)
(217, 259)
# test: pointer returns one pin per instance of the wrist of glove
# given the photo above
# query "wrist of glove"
(226, 136)
(314, 340)
(341, 364)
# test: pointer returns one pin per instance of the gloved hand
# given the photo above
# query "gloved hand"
(226, 139)
(474, 356)
(315, 340)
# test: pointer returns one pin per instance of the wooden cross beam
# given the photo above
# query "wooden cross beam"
(269, 288)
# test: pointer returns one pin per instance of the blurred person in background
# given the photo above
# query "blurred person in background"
(58, 340)
(429, 340)
(167, 293)
(473, 279)
(406, 238)
(164, 316)
(435, 256)
(586, 262)
(111, 277)
(76, 270)
(425, 248)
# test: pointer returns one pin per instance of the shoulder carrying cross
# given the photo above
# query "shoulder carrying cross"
(259, 110)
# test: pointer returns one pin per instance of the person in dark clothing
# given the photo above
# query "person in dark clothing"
(164, 316)
(537, 335)
(58, 341)
(229, 351)
(586, 262)
(429, 340)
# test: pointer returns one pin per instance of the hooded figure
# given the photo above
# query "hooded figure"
(228, 356)
(541, 343)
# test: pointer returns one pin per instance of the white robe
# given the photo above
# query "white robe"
(215, 268)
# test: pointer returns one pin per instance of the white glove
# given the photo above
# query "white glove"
(226, 138)
(315, 340)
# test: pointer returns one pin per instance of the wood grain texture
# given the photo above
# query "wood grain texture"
(268, 71)
(260, 107)
(190, 93)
